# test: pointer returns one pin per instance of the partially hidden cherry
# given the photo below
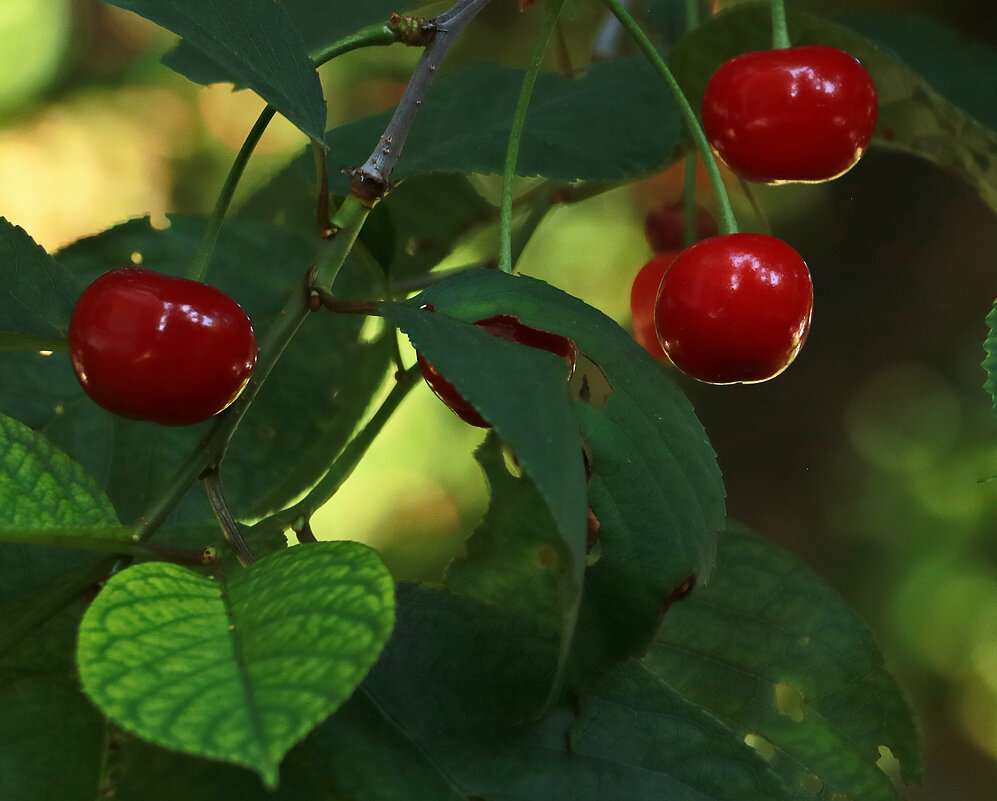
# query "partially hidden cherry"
(153, 347)
(795, 114)
(734, 308)
(503, 326)
(643, 295)
(664, 226)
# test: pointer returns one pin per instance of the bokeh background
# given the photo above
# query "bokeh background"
(870, 459)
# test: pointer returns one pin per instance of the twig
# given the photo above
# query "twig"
(373, 178)
(216, 497)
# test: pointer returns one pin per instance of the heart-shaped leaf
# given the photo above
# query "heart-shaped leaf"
(236, 670)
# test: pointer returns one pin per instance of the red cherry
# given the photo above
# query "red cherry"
(734, 308)
(664, 226)
(503, 326)
(643, 294)
(796, 114)
(154, 347)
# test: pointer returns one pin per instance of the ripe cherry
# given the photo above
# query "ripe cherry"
(154, 347)
(503, 326)
(734, 308)
(643, 295)
(795, 114)
(664, 226)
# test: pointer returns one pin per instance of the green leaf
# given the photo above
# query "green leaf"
(46, 720)
(238, 670)
(961, 70)
(254, 43)
(655, 485)
(44, 494)
(617, 121)
(302, 416)
(359, 754)
(36, 294)
(990, 361)
(524, 394)
(779, 657)
(913, 116)
(462, 680)
(318, 23)
(515, 559)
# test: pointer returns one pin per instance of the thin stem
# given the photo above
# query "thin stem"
(219, 505)
(689, 232)
(199, 266)
(371, 36)
(728, 224)
(780, 30)
(525, 232)
(373, 178)
(516, 134)
(343, 466)
(756, 206)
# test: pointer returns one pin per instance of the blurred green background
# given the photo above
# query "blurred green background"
(869, 458)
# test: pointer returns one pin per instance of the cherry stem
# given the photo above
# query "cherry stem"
(516, 134)
(199, 266)
(371, 36)
(728, 223)
(219, 505)
(689, 232)
(297, 516)
(780, 30)
(375, 174)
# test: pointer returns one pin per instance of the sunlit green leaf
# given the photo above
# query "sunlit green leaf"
(236, 670)
(777, 655)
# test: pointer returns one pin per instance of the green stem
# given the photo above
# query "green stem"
(516, 134)
(371, 36)
(219, 505)
(210, 452)
(199, 266)
(344, 464)
(780, 30)
(728, 224)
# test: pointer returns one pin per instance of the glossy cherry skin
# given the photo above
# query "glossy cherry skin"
(796, 114)
(664, 227)
(643, 295)
(153, 347)
(503, 326)
(734, 308)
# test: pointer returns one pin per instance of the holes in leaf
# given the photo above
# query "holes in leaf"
(136, 257)
(764, 748)
(811, 784)
(589, 383)
(512, 465)
(594, 554)
(789, 701)
(888, 763)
